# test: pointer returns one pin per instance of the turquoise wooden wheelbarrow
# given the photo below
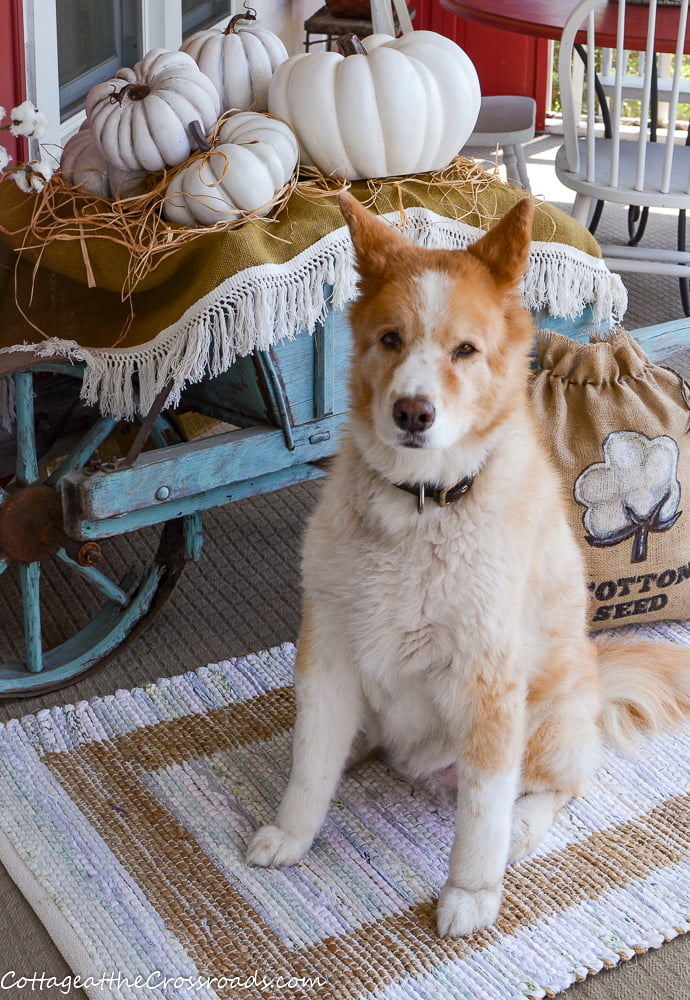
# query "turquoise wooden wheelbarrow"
(97, 443)
(62, 499)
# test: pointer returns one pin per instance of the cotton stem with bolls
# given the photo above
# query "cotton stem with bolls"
(32, 176)
(28, 121)
(25, 120)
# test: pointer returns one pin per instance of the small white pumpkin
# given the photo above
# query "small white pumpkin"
(406, 106)
(240, 62)
(126, 183)
(252, 158)
(140, 118)
(84, 167)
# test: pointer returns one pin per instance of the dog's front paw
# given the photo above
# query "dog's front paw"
(272, 847)
(462, 912)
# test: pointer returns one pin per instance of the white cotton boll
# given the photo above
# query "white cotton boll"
(33, 176)
(27, 120)
(4, 158)
(41, 172)
(21, 178)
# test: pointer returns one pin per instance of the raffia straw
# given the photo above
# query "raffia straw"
(135, 222)
(314, 185)
(463, 174)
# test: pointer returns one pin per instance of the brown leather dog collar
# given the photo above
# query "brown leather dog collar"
(442, 495)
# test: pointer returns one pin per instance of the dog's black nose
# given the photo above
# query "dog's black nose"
(413, 413)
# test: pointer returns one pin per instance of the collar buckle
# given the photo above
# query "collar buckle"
(452, 493)
(442, 495)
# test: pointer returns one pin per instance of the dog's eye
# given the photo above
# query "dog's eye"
(391, 339)
(462, 350)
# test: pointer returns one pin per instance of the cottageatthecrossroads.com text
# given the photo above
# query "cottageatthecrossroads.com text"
(156, 981)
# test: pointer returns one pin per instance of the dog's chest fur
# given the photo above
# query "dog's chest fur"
(416, 600)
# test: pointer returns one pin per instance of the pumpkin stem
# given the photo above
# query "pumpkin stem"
(197, 134)
(133, 91)
(250, 15)
(350, 45)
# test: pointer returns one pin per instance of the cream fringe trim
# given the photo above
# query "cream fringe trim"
(261, 305)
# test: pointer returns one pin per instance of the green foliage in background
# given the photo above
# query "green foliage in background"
(631, 108)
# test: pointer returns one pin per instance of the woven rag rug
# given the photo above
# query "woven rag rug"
(125, 820)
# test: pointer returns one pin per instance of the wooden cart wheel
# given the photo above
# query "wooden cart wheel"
(76, 601)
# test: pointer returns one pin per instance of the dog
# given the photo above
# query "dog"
(445, 600)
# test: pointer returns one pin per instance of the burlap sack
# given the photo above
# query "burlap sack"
(618, 427)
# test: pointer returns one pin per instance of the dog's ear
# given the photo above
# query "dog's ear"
(504, 249)
(373, 239)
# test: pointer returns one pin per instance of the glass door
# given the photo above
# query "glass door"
(95, 38)
(197, 14)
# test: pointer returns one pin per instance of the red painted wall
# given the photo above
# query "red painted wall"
(12, 71)
(507, 63)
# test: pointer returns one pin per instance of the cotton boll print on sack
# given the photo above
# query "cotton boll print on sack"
(632, 493)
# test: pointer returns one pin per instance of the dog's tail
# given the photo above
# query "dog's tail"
(645, 687)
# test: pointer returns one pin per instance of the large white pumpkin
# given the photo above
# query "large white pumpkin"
(252, 158)
(140, 118)
(407, 106)
(240, 62)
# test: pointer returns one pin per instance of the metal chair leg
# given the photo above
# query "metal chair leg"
(683, 282)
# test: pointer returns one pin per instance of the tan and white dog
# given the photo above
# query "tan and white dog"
(444, 595)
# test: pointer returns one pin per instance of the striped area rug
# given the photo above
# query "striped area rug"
(124, 821)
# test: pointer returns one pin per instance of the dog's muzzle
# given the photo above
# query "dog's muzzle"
(413, 415)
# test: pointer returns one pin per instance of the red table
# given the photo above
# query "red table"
(546, 19)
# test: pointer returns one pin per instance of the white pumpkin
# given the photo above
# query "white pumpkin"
(84, 167)
(126, 183)
(252, 158)
(140, 118)
(406, 106)
(240, 62)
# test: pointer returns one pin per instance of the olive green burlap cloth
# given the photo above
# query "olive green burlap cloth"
(179, 310)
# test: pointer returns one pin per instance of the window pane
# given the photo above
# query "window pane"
(197, 14)
(95, 38)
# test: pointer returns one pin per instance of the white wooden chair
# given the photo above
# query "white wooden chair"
(626, 167)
